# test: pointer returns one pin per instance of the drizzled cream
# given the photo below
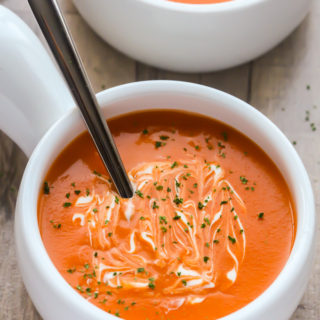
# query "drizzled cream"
(183, 228)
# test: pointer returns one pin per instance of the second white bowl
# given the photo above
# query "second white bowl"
(193, 38)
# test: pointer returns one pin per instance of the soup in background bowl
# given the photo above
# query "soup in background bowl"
(209, 228)
(200, 1)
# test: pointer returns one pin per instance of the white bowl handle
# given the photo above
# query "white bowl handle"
(33, 94)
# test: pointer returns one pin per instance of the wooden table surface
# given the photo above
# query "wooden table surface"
(284, 84)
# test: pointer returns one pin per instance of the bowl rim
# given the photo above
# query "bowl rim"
(303, 244)
(201, 8)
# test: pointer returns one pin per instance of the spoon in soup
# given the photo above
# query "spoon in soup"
(55, 30)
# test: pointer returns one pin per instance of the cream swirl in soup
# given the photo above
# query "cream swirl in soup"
(209, 228)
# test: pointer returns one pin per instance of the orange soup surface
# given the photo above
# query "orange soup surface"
(209, 228)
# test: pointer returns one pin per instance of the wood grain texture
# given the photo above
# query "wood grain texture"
(276, 84)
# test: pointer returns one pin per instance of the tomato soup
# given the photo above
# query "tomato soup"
(209, 228)
(200, 1)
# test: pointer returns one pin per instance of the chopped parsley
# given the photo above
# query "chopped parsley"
(139, 193)
(233, 240)
(46, 188)
(163, 220)
(159, 144)
(175, 164)
(97, 173)
(243, 180)
(163, 229)
(177, 200)
(261, 215)
(154, 205)
(67, 204)
(151, 284)
(205, 259)
(200, 205)
(225, 136)
(71, 270)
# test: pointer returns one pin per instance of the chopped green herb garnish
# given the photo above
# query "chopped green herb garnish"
(97, 173)
(225, 136)
(200, 205)
(154, 205)
(67, 204)
(261, 215)
(175, 164)
(164, 229)
(46, 188)
(233, 240)
(159, 144)
(243, 180)
(177, 200)
(139, 193)
(151, 284)
(205, 259)
(163, 220)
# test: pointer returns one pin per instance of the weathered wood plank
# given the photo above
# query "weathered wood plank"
(105, 66)
(234, 81)
(280, 89)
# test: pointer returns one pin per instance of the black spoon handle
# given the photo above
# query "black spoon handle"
(53, 26)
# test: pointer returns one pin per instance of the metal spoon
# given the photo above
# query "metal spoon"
(53, 26)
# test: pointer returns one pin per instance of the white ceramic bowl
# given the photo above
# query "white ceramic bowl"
(193, 38)
(51, 294)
